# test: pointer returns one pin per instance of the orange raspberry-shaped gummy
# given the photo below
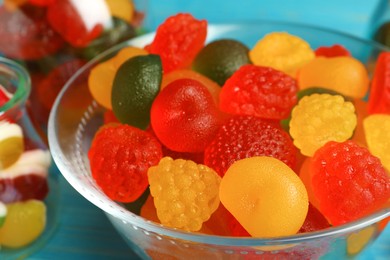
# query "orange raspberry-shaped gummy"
(282, 51)
(185, 193)
(320, 118)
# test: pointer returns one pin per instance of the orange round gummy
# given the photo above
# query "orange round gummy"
(127, 53)
(345, 75)
(306, 175)
(100, 82)
(212, 86)
(265, 196)
(282, 51)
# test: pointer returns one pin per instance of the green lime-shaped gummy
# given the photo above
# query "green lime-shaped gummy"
(218, 60)
(136, 84)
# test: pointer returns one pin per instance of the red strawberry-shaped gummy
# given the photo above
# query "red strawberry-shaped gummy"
(178, 40)
(332, 51)
(120, 156)
(348, 182)
(65, 19)
(26, 34)
(259, 91)
(314, 221)
(247, 136)
(189, 121)
(379, 99)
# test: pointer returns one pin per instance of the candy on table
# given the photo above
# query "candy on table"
(320, 118)
(332, 51)
(178, 40)
(265, 196)
(377, 133)
(120, 156)
(185, 193)
(11, 144)
(101, 77)
(247, 136)
(343, 74)
(190, 120)
(282, 51)
(24, 222)
(219, 59)
(136, 85)
(348, 181)
(379, 99)
(259, 91)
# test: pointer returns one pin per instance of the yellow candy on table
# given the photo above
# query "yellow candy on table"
(320, 118)
(377, 132)
(343, 74)
(24, 222)
(265, 196)
(282, 51)
(11, 144)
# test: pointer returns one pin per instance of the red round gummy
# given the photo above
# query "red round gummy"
(184, 116)
(120, 156)
(26, 34)
(259, 91)
(178, 40)
(247, 136)
(336, 50)
(379, 99)
(348, 181)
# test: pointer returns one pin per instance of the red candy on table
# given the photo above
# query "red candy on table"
(332, 51)
(120, 156)
(348, 181)
(189, 121)
(26, 34)
(247, 136)
(178, 40)
(379, 99)
(259, 91)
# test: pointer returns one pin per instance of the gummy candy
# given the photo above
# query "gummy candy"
(136, 84)
(314, 221)
(125, 54)
(41, 2)
(120, 156)
(343, 74)
(379, 99)
(3, 213)
(348, 181)
(265, 196)
(123, 9)
(361, 112)
(377, 132)
(219, 59)
(24, 222)
(189, 121)
(246, 136)
(259, 91)
(320, 118)
(332, 51)
(306, 176)
(29, 32)
(178, 40)
(213, 87)
(185, 193)
(4, 96)
(281, 51)
(11, 144)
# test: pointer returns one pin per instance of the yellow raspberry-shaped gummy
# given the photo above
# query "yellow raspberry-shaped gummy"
(265, 196)
(282, 51)
(320, 118)
(185, 193)
(377, 132)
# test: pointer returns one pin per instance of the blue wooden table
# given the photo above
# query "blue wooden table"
(85, 233)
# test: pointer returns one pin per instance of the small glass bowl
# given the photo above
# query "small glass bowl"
(76, 117)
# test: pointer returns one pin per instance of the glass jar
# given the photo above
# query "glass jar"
(54, 38)
(28, 186)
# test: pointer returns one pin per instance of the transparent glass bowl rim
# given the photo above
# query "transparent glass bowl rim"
(149, 226)
(23, 83)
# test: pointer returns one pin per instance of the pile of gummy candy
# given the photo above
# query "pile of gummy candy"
(23, 182)
(261, 142)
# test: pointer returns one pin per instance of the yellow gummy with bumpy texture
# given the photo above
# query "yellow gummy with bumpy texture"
(24, 222)
(265, 196)
(320, 118)
(377, 133)
(185, 194)
(282, 51)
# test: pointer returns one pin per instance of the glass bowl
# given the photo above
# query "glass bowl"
(75, 117)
